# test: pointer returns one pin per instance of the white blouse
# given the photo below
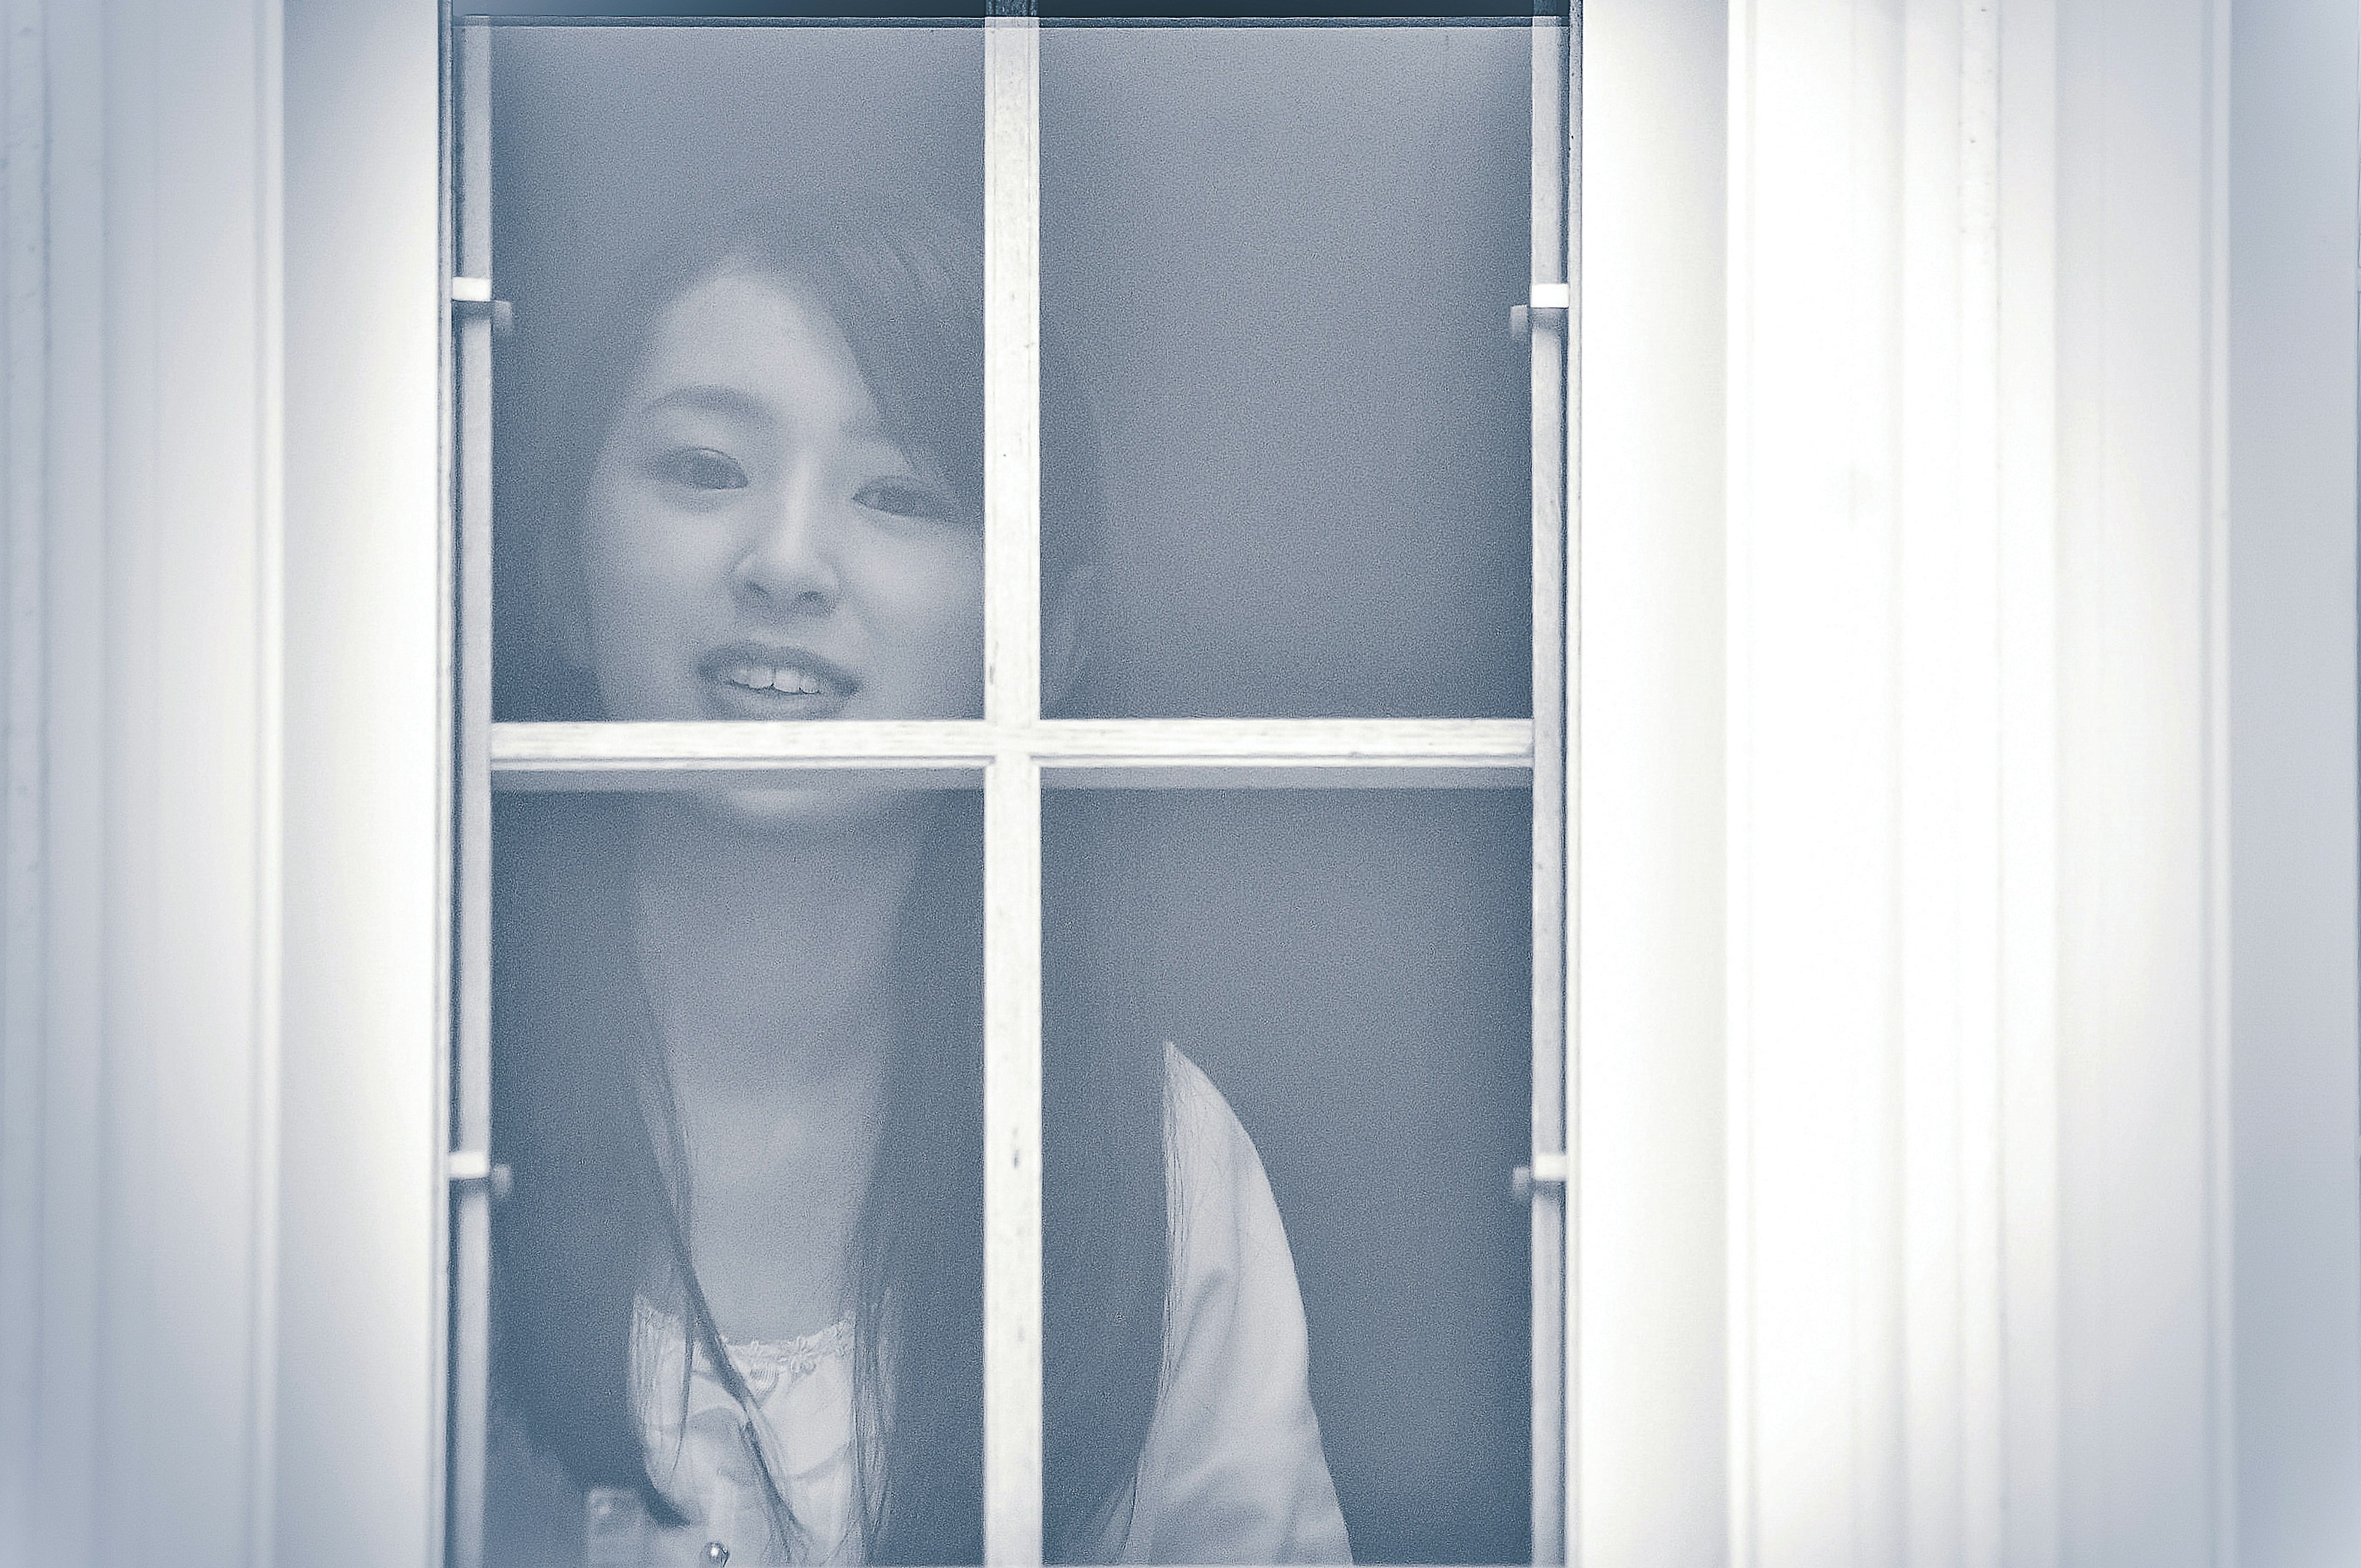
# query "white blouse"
(1232, 1470)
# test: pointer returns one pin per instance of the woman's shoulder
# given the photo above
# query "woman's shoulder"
(1201, 1129)
(1227, 1234)
(1234, 1470)
(1218, 1182)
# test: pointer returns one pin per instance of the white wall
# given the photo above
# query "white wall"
(140, 1075)
(218, 1195)
(361, 1314)
(2031, 793)
(1650, 1397)
(2291, 694)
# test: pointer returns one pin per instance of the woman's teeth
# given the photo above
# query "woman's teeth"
(755, 677)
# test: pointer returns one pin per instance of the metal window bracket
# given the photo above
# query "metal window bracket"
(478, 292)
(468, 1168)
(1545, 296)
(1547, 1171)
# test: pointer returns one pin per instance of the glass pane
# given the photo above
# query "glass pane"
(737, 1063)
(736, 1037)
(739, 422)
(1278, 382)
(1349, 970)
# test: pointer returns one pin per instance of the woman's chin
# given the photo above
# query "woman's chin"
(837, 805)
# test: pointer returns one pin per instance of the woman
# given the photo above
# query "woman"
(737, 1059)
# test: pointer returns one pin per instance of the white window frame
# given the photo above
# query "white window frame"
(221, 1146)
(1013, 751)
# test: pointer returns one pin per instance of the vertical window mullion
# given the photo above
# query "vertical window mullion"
(1012, 866)
(471, 1108)
(1554, 60)
(1012, 1178)
(1012, 352)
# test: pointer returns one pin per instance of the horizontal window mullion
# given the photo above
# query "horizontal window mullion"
(695, 745)
(1148, 753)
(1355, 772)
(1483, 742)
(1294, 753)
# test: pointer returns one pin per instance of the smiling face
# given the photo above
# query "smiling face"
(756, 545)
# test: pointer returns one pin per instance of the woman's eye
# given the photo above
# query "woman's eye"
(902, 498)
(701, 468)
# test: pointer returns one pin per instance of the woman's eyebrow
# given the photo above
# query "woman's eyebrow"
(728, 401)
(732, 403)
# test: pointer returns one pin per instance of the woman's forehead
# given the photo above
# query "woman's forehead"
(756, 346)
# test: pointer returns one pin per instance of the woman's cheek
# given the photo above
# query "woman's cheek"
(651, 575)
(929, 609)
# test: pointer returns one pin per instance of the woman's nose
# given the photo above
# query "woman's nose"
(790, 565)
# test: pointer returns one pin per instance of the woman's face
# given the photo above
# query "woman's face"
(756, 546)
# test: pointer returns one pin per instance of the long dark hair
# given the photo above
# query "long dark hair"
(582, 1110)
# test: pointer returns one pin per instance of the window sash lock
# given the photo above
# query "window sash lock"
(472, 1168)
(1547, 1171)
(466, 292)
(1541, 297)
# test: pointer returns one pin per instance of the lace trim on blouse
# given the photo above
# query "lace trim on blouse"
(800, 1390)
(765, 1363)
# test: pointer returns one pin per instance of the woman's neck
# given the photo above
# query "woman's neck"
(768, 954)
(768, 951)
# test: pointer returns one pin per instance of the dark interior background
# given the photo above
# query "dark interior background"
(1287, 256)
(1283, 259)
(1352, 968)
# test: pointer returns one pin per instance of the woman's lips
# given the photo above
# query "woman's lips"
(786, 679)
(752, 681)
